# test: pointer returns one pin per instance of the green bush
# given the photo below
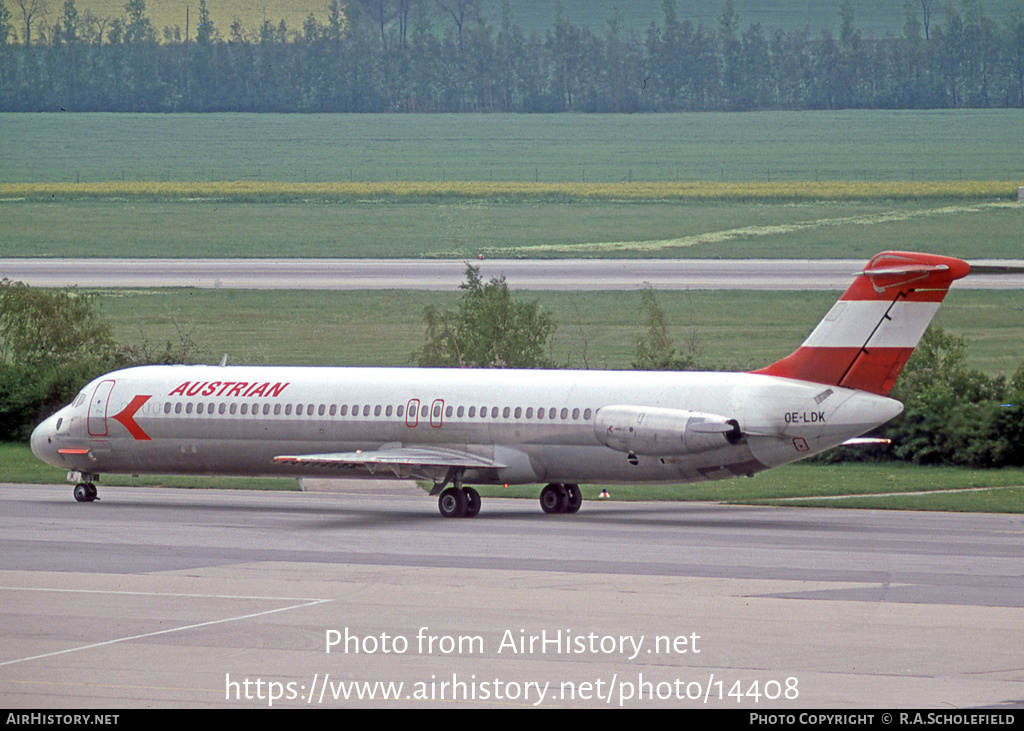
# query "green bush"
(955, 415)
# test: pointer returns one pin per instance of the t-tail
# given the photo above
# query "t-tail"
(867, 337)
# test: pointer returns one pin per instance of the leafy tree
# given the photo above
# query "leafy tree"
(488, 329)
(654, 349)
(29, 10)
(66, 29)
(384, 55)
(138, 28)
(952, 414)
(38, 326)
(50, 344)
(6, 25)
(54, 342)
(205, 32)
(1010, 418)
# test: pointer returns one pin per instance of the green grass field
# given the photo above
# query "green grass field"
(464, 229)
(860, 150)
(764, 146)
(734, 330)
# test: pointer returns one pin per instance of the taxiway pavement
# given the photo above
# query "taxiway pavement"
(428, 274)
(157, 597)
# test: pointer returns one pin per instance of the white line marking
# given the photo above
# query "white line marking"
(305, 603)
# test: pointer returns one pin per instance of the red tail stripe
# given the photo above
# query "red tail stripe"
(840, 352)
(922, 277)
(875, 372)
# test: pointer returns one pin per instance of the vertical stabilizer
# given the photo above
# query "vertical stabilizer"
(868, 335)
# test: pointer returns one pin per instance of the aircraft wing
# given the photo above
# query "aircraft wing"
(404, 462)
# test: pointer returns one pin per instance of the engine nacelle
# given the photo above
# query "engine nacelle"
(661, 432)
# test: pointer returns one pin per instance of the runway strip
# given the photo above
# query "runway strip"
(202, 598)
(523, 274)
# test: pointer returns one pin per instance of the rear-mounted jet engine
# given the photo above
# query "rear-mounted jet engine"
(661, 432)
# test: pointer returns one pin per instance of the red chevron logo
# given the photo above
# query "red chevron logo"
(125, 418)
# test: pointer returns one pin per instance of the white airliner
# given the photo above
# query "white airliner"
(456, 427)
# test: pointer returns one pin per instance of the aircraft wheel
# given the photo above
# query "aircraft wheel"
(85, 492)
(472, 502)
(554, 499)
(452, 503)
(575, 498)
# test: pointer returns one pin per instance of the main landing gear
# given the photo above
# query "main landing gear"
(456, 501)
(561, 498)
(459, 502)
(464, 502)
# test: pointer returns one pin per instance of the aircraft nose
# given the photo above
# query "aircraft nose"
(41, 441)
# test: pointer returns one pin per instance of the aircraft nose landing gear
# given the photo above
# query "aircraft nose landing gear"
(85, 488)
(85, 492)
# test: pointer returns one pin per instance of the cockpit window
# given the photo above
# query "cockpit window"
(79, 400)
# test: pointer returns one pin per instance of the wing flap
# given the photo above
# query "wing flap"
(407, 457)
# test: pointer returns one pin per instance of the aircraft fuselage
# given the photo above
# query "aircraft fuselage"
(525, 426)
